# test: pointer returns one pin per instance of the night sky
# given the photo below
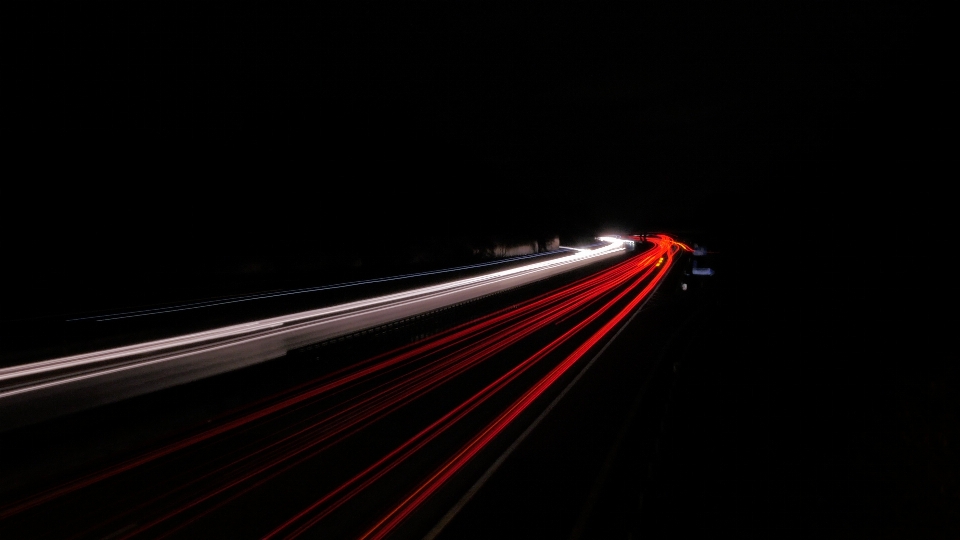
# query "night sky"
(162, 139)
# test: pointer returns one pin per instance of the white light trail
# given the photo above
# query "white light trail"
(83, 380)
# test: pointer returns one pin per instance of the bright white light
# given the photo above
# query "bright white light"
(196, 355)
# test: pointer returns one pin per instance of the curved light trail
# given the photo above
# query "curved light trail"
(498, 366)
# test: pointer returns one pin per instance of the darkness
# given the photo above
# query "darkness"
(234, 132)
(169, 149)
(183, 136)
(179, 137)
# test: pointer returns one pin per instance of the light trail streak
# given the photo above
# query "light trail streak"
(391, 381)
(428, 487)
(432, 431)
(453, 366)
(200, 338)
(466, 331)
(393, 518)
(71, 382)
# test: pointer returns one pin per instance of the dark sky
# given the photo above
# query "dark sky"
(157, 132)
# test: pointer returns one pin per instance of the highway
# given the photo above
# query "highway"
(368, 443)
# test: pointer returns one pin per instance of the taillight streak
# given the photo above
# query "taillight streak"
(441, 357)
(452, 465)
(396, 394)
(435, 429)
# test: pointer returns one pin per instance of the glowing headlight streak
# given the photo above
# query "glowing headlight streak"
(202, 338)
(74, 382)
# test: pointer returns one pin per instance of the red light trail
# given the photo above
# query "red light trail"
(275, 436)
